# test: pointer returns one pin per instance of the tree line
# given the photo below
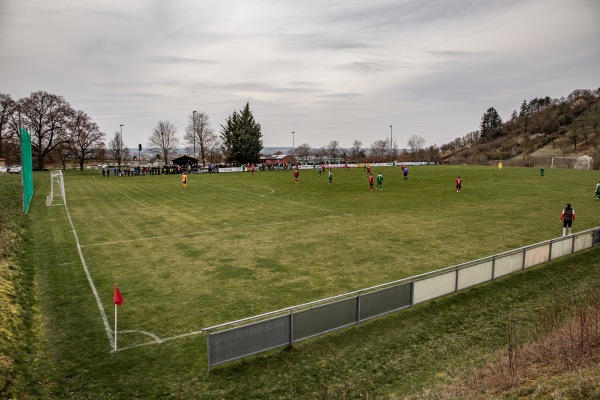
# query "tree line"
(62, 135)
(379, 151)
(539, 121)
(57, 130)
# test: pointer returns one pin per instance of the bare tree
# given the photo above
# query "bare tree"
(416, 143)
(574, 137)
(379, 149)
(527, 143)
(321, 153)
(85, 137)
(100, 152)
(163, 139)
(63, 153)
(333, 149)
(46, 116)
(200, 134)
(8, 108)
(117, 148)
(215, 153)
(357, 149)
(303, 152)
(394, 150)
(433, 153)
(562, 143)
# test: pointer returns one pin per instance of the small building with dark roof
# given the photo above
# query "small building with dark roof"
(185, 160)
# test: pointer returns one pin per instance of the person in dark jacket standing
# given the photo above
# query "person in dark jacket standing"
(567, 217)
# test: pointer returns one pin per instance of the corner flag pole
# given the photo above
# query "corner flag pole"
(118, 300)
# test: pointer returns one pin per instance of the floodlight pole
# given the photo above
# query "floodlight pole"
(391, 144)
(121, 145)
(194, 123)
(293, 146)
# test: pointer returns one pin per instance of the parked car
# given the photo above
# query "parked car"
(3, 169)
(14, 169)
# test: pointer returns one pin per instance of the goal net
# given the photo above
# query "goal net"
(57, 190)
(583, 162)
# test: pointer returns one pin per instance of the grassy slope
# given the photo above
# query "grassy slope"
(17, 300)
(396, 355)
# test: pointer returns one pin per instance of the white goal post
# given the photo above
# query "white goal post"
(583, 162)
(57, 190)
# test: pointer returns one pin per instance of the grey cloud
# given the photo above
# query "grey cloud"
(366, 66)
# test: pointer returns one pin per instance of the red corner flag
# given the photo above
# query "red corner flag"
(118, 299)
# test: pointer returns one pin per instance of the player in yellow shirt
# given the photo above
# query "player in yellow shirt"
(184, 180)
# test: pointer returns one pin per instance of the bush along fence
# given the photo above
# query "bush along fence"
(233, 340)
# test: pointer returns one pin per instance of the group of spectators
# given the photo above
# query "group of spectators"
(137, 170)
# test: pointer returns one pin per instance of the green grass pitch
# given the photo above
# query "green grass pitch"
(235, 245)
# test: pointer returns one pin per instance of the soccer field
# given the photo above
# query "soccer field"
(235, 245)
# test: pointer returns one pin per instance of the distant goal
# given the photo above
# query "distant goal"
(57, 190)
(583, 162)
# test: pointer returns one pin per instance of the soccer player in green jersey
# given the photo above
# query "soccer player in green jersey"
(541, 171)
(330, 177)
(379, 181)
(598, 191)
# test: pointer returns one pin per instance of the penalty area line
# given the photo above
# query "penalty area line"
(131, 198)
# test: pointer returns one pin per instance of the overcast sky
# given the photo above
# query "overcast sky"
(326, 70)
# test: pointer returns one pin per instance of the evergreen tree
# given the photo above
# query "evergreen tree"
(525, 110)
(242, 137)
(491, 123)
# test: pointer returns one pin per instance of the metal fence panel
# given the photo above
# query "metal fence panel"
(248, 339)
(384, 301)
(508, 264)
(537, 255)
(436, 286)
(317, 320)
(561, 248)
(475, 275)
(253, 338)
(583, 241)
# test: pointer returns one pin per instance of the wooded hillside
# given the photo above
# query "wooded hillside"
(543, 128)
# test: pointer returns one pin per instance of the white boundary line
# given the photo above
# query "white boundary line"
(152, 335)
(109, 332)
(120, 210)
(158, 340)
(91, 282)
(143, 205)
(266, 194)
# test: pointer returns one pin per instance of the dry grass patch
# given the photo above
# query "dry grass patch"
(564, 363)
